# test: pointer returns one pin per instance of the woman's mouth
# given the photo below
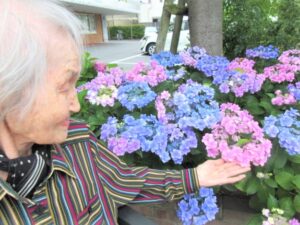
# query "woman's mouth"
(65, 123)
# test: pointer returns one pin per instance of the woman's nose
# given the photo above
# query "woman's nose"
(74, 103)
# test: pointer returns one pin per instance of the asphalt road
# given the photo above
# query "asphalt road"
(124, 53)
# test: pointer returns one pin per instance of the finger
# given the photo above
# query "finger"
(234, 170)
(232, 165)
(228, 166)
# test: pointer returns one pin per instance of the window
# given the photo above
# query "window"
(88, 22)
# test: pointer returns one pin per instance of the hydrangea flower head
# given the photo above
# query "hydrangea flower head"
(167, 59)
(263, 52)
(237, 138)
(135, 95)
(286, 128)
(198, 209)
(153, 74)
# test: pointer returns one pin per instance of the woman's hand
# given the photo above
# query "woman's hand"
(218, 172)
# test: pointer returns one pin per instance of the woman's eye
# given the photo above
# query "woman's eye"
(63, 89)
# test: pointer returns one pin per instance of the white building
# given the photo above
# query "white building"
(150, 12)
(93, 14)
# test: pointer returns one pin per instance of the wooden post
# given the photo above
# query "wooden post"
(177, 28)
(164, 27)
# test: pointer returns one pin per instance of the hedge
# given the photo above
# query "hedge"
(128, 32)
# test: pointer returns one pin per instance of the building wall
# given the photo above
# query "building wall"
(98, 36)
(150, 11)
(95, 30)
(121, 20)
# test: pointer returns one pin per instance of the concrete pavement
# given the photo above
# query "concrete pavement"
(125, 53)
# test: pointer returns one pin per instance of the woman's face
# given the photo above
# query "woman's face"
(48, 121)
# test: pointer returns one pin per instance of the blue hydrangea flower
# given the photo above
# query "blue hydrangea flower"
(174, 74)
(286, 127)
(135, 95)
(167, 59)
(263, 52)
(198, 209)
(193, 105)
(147, 133)
(214, 66)
(294, 89)
(109, 129)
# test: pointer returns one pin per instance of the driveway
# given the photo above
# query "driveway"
(124, 53)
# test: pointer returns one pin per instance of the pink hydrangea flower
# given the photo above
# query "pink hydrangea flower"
(246, 79)
(100, 66)
(294, 222)
(238, 138)
(153, 73)
(286, 99)
(120, 145)
(160, 107)
(291, 57)
(280, 72)
(188, 59)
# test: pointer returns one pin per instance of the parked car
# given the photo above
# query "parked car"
(148, 42)
(150, 30)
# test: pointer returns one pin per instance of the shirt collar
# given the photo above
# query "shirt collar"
(59, 162)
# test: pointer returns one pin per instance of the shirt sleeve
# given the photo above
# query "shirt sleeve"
(141, 184)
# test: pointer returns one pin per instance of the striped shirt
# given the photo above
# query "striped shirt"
(87, 183)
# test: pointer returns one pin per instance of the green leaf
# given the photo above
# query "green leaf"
(93, 121)
(251, 100)
(263, 194)
(242, 185)
(271, 95)
(287, 205)
(111, 65)
(241, 142)
(230, 187)
(284, 179)
(81, 96)
(254, 203)
(297, 203)
(272, 202)
(296, 181)
(257, 219)
(295, 158)
(271, 182)
(256, 110)
(252, 186)
(266, 104)
(281, 159)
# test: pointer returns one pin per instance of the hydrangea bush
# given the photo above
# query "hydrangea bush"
(275, 217)
(179, 110)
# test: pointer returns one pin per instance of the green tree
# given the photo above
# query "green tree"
(249, 23)
(286, 30)
(246, 24)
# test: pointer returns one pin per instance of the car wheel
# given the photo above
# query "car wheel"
(151, 48)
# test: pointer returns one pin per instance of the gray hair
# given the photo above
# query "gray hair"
(23, 56)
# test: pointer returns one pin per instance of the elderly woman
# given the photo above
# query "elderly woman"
(54, 170)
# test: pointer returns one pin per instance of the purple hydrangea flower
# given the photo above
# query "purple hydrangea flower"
(264, 52)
